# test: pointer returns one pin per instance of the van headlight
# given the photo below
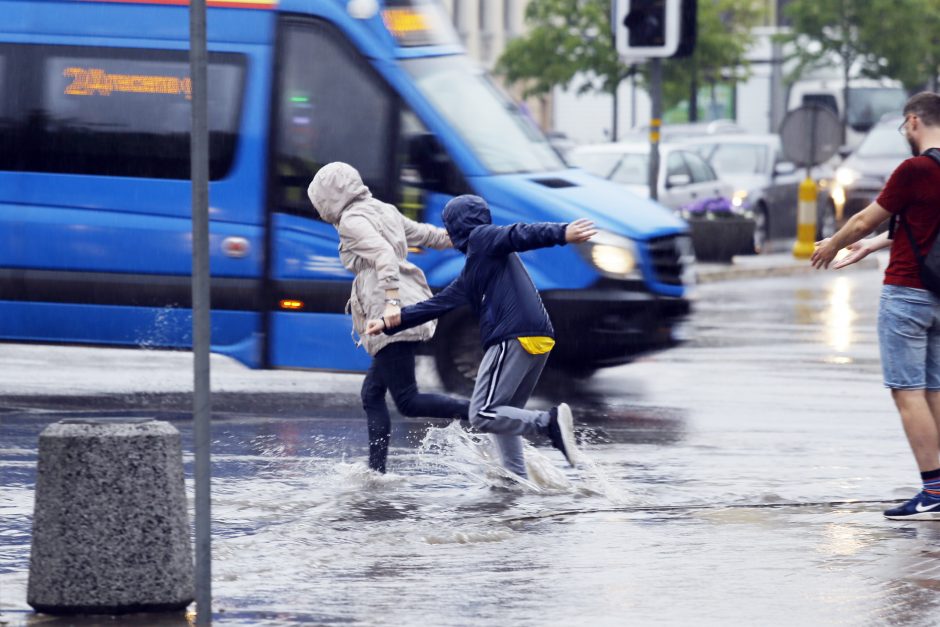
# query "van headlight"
(613, 255)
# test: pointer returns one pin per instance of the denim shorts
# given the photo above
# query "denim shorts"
(909, 338)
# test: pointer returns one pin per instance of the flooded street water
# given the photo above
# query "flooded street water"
(738, 479)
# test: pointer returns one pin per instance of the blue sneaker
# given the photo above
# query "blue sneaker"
(922, 507)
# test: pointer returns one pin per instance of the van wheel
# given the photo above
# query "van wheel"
(761, 228)
(457, 353)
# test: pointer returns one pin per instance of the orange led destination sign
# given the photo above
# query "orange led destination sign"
(232, 4)
(404, 20)
(95, 81)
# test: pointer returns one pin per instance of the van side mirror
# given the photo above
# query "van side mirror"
(678, 180)
(845, 151)
(782, 168)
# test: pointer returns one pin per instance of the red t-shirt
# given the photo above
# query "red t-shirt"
(914, 187)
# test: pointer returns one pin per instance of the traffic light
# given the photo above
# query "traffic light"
(654, 28)
(646, 24)
(688, 27)
(646, 28)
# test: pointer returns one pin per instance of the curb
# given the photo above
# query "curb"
(163, 403)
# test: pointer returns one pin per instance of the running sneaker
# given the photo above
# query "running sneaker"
(561, 432)
(921, 507)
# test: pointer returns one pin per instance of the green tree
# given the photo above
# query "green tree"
(565, 37)
(724, 35)
(902, 41)
(897, 39)
(571, 37)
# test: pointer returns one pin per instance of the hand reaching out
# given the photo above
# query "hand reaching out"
(857, 251)
(823, 255)
(580, 230)
(391, 318)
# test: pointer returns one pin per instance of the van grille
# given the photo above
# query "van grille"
(670, 255)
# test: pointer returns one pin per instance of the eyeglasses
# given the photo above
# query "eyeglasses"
(903, 128)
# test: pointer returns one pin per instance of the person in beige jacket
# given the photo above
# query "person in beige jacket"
(373, 244)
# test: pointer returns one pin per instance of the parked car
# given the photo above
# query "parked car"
(687, 184)
(764, 182)
(861, 176)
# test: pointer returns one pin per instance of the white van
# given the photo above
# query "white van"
(869, 101)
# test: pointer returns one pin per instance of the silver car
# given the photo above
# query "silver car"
(686, 184)
(764, 181)
(685, 177)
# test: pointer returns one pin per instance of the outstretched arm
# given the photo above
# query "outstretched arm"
(857, 227)
(421, 234)
(861, 249)
(520, 237)
(449, 298)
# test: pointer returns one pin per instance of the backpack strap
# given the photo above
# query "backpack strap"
(933, 153)
(914, 246)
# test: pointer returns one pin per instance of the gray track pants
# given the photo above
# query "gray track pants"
(507, 376)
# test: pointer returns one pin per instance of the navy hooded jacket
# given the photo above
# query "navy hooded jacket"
(494, 282)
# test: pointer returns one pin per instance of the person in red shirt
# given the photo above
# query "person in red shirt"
(909, 314)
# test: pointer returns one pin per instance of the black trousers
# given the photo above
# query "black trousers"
(393, 370)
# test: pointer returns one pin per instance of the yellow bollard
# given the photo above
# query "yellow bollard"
(806, 220)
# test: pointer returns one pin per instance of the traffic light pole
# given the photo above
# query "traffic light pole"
(656, 95)
(202, 410)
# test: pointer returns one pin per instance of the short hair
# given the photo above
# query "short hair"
(926, 106)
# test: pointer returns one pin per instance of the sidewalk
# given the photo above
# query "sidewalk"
(56, 378)
(769, 265)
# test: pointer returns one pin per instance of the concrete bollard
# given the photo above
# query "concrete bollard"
(110, 525)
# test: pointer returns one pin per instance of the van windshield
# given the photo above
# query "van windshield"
(868, 104)
(504, 138)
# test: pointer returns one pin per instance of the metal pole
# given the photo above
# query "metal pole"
(633, 98)
(202, 411)
(656, 89)
(613, 133)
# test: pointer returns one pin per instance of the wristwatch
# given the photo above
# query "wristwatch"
(395, 302)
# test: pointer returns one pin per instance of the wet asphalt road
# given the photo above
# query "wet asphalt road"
(738, 479)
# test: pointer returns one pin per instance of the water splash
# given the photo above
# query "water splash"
(470, 537)
(475, 456)
(358, 476)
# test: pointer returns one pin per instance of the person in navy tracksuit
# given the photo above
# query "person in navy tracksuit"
(515, 330)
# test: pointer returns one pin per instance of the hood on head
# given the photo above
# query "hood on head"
(463, 214)
(334, 187)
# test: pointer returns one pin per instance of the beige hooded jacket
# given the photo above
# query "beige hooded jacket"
(373, 244)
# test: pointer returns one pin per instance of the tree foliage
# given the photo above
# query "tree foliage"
(565, 37)
(724, 35)
(824, 31)
(870, 38)
(902, 39)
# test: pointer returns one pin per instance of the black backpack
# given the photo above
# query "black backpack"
(928, 264)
